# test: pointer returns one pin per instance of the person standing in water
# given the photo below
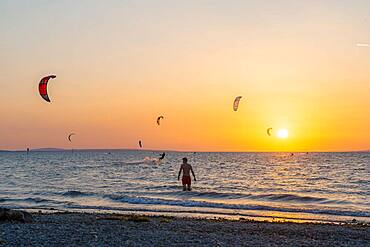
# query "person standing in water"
(186, 169)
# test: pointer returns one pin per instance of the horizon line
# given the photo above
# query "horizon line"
(52, 149)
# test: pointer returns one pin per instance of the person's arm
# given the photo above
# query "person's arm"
(191, 169)
(178, 177)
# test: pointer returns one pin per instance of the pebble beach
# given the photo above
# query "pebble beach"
(82, 229)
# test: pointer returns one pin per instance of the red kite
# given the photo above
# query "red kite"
(43, 86)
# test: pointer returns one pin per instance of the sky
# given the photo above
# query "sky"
(299, 65)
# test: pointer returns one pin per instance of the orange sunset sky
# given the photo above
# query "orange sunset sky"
(299, 65)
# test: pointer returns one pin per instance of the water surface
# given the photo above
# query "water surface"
(317, 186)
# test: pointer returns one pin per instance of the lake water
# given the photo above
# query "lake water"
(313, 186)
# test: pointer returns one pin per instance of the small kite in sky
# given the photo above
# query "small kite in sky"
(159, 120)
(236, 103)
(70, 135)
(269, 130)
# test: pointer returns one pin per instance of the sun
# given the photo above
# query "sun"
(282, 133)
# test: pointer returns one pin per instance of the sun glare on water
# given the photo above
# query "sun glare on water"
(282, 133)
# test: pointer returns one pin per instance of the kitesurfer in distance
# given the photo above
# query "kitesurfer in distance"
(162, 156)
(186, 169)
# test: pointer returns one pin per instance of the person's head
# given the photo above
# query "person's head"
(184, 160)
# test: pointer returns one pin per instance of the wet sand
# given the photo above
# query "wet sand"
(76, 229)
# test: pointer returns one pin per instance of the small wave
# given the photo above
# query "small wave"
(216, 195)
(160, 188)
(189, 203)
(75, 193)
(203, 204)
(319, 178)
(260, 197)
(289, 197)
(269, 197)
(36, 200)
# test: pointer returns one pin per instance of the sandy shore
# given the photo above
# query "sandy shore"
(75, 229)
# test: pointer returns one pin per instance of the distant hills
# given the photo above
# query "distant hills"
(48, 149)
(87, 149)
(92, 149)
(36, 150)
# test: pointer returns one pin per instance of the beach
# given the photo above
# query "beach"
(83, 229)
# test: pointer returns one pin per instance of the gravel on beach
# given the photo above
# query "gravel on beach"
(78, 229)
